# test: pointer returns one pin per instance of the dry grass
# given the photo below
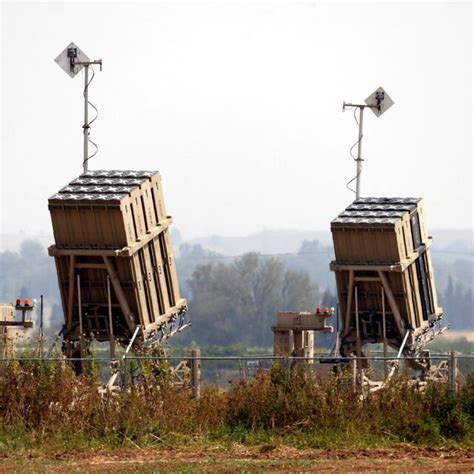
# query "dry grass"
(245, 459)
(47, 408)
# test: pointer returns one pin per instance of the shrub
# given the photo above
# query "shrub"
(44, 402)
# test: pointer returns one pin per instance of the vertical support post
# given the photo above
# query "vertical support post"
(41, 313)
(349, 302)
(335, 349)
(298, 337)
(41, 332)
(354, 372)
(86, 118)
(309, 345)
(111, 327)
(384, 336)
(392, 302)
(359, 152)
(81, 330)
(452, 373)
(119, 293)
(3, 347)
(196, 371)
(358, 344)
(70, 300)
(243, 370)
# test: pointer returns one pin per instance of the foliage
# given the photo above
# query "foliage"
(401, 410)
(446, 344)
(458, 302)
(237, 302)
(46, 406)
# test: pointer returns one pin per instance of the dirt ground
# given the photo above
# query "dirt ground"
(241, 459)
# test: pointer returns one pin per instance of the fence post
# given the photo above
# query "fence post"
(354, 371)
(452, 373)
(243, 370)
(196, 371)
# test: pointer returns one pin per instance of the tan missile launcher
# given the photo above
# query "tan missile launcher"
(384, 274)
(111, 227)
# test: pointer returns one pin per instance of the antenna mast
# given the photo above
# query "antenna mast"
(72, 60)
(378, 102)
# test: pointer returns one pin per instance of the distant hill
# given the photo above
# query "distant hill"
(289, 241)
(266, 241)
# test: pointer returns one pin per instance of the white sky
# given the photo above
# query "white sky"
(238, 105)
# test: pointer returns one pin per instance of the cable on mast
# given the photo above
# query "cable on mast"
(72, 60)
(379, 102)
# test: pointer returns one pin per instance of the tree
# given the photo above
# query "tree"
(457, 302)
(31, 250)
(237, 302)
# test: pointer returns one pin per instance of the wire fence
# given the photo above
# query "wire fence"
(223, 370)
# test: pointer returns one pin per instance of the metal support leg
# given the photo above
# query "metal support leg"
(114, 376)
(81, 329)
(111, 327)
(358, 341)
(393, 304)
(349, 302)
(120, 294)
(70, 300)
(384, 335)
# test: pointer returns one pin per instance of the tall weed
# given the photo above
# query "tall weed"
(42, 402)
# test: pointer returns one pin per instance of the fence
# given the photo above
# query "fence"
(223, 370)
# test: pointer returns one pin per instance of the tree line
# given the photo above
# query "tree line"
(231, 300)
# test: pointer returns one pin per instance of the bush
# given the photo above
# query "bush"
(43, 404)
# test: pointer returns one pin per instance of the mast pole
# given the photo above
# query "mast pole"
(359, 151)
(86, 118)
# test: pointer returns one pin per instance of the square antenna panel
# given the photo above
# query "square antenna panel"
(69, 57)
(379, 102)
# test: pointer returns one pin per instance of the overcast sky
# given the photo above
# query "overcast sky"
(238, 105)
